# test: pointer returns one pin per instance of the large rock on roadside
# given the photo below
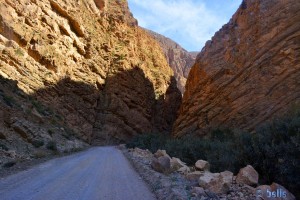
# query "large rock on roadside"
(216, 182)
(198, 191)
(161, 164)
(176, 164)
(160, 153)
(227, 176)
(247, 175)
(202, 165)
(274, 192)
(193, 176)
(184, 170)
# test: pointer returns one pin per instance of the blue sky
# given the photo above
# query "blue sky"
(188, 22)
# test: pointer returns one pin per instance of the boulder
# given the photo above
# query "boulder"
(216, 182)
(198, 191)
(202, 165)
(247, 175)
(274, 192)
(227, 176)
(142, 153)
(184, 170)
(160, 153)
(193, 176)
(161, 164)
(176, 164)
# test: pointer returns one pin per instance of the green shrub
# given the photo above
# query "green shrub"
(9, 164)
(19, 52)
(10, 101)
(41, 108)
(151, 141)
(37, 143)
(4, 147)
(50, 131)
(39, 154)
(51, 145)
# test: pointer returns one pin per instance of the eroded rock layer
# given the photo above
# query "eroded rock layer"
(248, 73)
(89, 62)
(179, 59)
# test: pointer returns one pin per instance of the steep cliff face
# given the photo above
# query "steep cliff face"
(89, 62)
(178, 58)
(248, 73)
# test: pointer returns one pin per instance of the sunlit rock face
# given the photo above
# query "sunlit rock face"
(91, 64)
(179, 59)
(248, 73)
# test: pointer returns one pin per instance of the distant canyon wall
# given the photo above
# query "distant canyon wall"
(179, 59)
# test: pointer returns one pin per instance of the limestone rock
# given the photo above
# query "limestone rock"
(247, 175)
(227, 177)
(184, 170)
(198, 191)
(202, 165)
(246, 75)
(161, 164)
(216, 182)
(176, 164)
(194, 176)
(160, 153)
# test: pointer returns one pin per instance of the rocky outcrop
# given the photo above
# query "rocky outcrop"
(161, 164)
(90, 63)
(248, 73)
(202, 165)
(216, 182)
(30, 130)
(179, 59)
(247, 175)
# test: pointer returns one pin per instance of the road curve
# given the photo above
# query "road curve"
(100, 173)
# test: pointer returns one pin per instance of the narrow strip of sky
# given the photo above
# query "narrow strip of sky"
(188, 22)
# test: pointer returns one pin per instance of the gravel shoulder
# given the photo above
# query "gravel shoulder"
(165, 186)
(98, 173)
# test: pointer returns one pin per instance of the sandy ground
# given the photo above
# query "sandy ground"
(99, 173)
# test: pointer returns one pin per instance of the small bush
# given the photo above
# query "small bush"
(41, 108)
(9, 164)
(50, 132)
(19, 52)
(4, 147)
(151, 141)
(39, 154)
(10, 101)
(37, 143)
(52, 146)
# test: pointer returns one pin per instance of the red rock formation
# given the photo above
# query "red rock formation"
(179, 59)
(90, 62)
(248, 73)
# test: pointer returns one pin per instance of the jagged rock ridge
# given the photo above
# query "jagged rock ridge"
(179, 59)
(248, 73)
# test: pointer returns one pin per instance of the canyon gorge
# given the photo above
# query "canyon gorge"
(75, 73)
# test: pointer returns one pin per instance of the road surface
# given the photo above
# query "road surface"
(100, 173)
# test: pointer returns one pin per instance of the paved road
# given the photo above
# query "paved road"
(101, 173)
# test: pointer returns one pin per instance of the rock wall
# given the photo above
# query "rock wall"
(89, 62)
(248, 73)
(179, 59)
